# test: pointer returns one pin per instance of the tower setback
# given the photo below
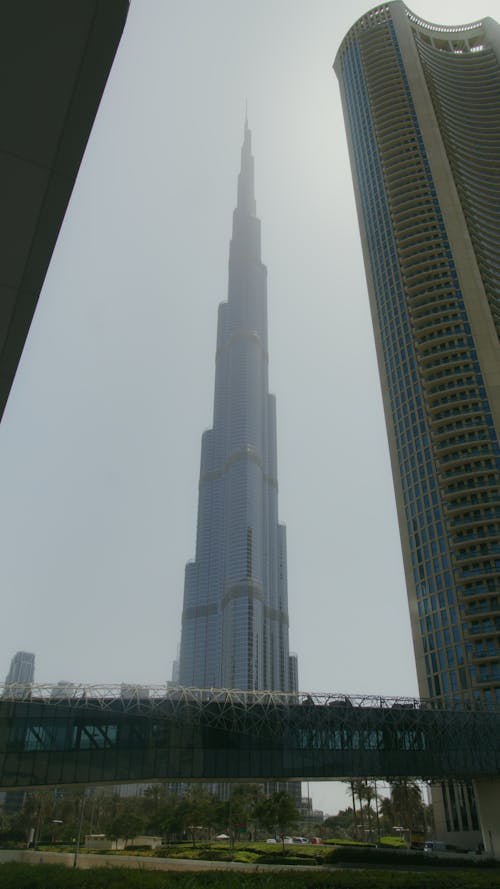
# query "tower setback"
(235, 613)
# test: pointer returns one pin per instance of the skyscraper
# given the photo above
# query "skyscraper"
(235, 614)
(422, 111)
(22, 669)
(21, 675)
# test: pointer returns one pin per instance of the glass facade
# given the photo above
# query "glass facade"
(235, 615)
(422, 110)
(445, 445)
(222, 736)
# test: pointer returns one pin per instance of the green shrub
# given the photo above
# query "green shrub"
(404, 858)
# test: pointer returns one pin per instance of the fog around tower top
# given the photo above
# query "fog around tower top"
(99, 445)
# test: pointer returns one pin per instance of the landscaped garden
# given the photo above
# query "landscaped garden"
(356, 847)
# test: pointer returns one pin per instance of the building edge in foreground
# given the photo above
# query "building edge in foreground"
(421, 105)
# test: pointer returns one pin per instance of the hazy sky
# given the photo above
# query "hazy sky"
(100, 442)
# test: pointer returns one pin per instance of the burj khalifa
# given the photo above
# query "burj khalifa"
(235, 611)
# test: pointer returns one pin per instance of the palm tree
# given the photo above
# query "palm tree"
(361, 789)
(358, 789)
(370, 795)
(407, 805)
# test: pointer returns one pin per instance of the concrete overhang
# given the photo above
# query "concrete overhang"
(55, 57)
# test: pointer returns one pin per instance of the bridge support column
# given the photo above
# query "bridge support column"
(488, 805)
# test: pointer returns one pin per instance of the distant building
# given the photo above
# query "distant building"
(175, 672)
(62, 689)
(22, 669)
(134, 692)
(20, 677)
(293, 667)
(235, 615)
(309, 817)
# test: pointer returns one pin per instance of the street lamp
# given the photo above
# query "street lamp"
(55, 821)
(79, 834)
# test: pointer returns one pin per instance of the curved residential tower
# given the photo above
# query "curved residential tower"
(422, 112)
(235, 615)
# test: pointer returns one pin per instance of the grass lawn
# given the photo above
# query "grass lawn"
(41, 876)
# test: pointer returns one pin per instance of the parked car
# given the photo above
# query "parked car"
(434, 846)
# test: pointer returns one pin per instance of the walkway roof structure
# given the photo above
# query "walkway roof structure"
(56, 736)
(55, 58)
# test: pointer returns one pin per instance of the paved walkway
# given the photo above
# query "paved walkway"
(85, 861)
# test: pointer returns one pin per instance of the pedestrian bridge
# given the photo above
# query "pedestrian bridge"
(56, 736)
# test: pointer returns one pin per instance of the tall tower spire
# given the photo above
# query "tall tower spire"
(246, 188)
(235, 615)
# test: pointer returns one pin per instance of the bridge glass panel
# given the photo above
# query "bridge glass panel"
(53, 743)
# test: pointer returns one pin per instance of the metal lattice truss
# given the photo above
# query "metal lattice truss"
(128, 696)
(258, 711)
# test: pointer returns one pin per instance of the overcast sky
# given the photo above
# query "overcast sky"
(100, 442)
